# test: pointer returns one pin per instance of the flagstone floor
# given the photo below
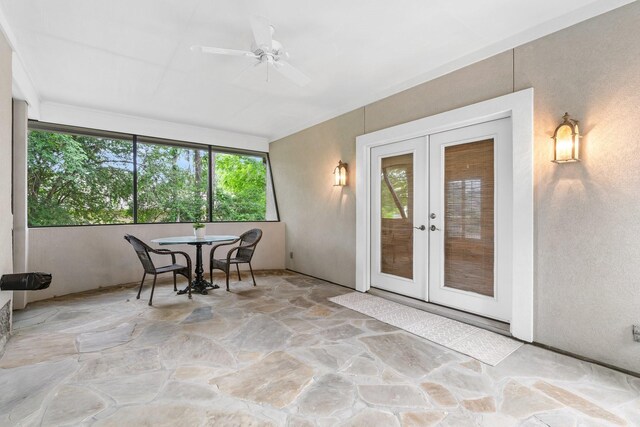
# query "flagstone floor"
(279, 354)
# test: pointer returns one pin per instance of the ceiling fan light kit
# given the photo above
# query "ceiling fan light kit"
(265, 50)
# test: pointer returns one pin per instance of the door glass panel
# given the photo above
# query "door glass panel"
(396, 213)
(469, 212)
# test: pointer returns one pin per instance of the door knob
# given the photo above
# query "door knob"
(432, 216)
(422, 228)
(434, 228)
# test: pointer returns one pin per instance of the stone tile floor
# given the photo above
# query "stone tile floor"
(279, 354)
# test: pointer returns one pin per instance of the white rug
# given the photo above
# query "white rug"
(486, 346)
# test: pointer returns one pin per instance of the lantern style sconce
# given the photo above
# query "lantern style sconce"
(340, 175)
(566, 141)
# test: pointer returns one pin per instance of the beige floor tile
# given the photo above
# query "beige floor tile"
(275, 355)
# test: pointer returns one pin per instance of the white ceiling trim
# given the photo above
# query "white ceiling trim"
(22, 85)
(23, 88)
(104, 120)
(589, 11)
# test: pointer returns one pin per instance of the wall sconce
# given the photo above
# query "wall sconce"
(340, 175)
(566, 141)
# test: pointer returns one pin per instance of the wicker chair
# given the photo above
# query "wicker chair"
(143, 250)
(244, 252)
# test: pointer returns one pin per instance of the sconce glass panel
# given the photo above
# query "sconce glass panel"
(340, 175)
(566, 141)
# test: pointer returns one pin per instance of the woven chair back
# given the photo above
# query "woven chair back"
(249, 238)
(143, 254)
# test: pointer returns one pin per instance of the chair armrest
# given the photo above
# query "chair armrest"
(232, 251)
(167, 252)
(186, 257)
(173, 255)
(213, 249)
(250, 245)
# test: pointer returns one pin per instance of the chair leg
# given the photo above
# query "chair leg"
(141, 283)
(227, 273)
(251, 270)
(152, 289)
(175, 288)
(238, 270)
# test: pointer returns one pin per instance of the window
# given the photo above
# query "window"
(79, 179)
(84, 177)
(172, 183)
(240, 187)
(464, 208)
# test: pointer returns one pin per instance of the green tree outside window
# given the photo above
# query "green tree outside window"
(83, 180)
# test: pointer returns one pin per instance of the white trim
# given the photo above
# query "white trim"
(518, 106)
(117, 122)
(497, 306)
(410, 287)
(23, 88)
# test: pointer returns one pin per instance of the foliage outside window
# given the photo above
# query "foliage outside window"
(79, 180)
(394, 192)
(239, 187)
(172, 183)
(83, 180)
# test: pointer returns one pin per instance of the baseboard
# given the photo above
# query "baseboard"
(586, 359)
(319, 278)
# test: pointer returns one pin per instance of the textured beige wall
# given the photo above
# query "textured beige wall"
(588, 214)
(6, 218)
(20, 229)
(319, 218)
(483, 80)
(84, 258)
(587, 232)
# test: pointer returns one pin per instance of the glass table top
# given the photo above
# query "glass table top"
(192, 240)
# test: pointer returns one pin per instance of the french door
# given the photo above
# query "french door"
(470, 228)
(398, 232)
(458, 185)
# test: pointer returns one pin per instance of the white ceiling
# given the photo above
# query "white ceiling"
(133, 56)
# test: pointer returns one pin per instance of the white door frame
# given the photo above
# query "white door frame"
(518, 106)
(411, 287)
(498, 305)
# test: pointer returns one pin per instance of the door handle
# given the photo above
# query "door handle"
(434, 228)
(421, 228)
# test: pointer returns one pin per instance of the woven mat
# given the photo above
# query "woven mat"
(485, 346)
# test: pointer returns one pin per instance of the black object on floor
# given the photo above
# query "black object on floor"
(25, 281)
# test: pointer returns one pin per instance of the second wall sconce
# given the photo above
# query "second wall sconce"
(566, 141)
(340, 175)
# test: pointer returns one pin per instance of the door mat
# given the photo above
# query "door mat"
(485, 346)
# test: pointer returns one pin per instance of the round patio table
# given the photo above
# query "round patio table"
(199, 285)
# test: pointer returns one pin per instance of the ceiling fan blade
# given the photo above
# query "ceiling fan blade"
(262, 31)
(292, 73)
(222, 51)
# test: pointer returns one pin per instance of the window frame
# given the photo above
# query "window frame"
(136, 138)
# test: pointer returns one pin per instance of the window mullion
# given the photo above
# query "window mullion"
(135, 179)
(210, 195)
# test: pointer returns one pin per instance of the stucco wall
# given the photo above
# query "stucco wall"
(20, 229)
(83, 258)
(6, 217)
(319, 218)
(587, 228)
(587, 294)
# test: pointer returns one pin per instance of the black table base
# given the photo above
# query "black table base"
(199, 285)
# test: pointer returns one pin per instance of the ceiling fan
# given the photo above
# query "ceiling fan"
(265, 50)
